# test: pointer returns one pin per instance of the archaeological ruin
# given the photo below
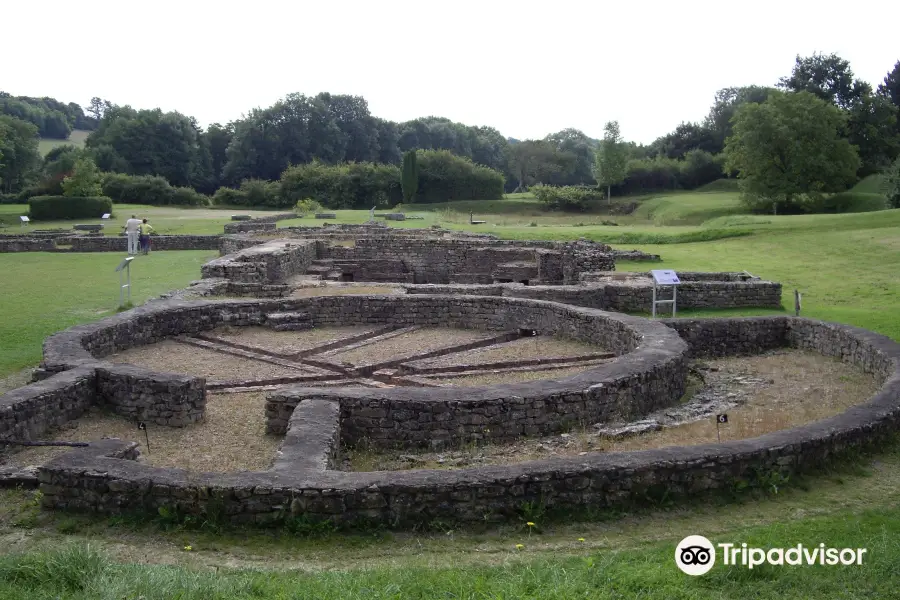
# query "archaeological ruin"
(341, 344)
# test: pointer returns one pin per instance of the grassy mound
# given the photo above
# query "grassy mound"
(719, 185)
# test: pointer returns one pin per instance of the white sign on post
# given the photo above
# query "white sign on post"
(125, 265)
(665, 278)
(662, 277)
(25, 219)
(105, 216)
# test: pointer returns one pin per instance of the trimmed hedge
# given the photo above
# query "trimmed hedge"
(443, 177)
(569, 197)
(46, 208)
(350, 185)
(149, 189)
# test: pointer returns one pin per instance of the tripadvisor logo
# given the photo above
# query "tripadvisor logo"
(696, 555)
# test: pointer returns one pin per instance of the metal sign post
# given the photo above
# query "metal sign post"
(663, 279)
(124, 267)
(797, 298)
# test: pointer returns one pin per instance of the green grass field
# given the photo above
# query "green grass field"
(845, 265)
(76, 138)
(164, 219)
(45, 292)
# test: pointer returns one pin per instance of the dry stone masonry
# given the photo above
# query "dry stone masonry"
(304, 481)
(452, 279)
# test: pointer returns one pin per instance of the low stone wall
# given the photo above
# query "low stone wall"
(271, 262)
(142, 395)
(266, 223)
(27, 245)
(302, 484)
(157, 242)
(626, 296)
(28, 412)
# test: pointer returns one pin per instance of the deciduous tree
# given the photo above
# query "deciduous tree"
(19, 151)
(84, 180)
(611, 158)
(827, 76)
(789, 148)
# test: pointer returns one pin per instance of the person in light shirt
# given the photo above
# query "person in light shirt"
(132, 231)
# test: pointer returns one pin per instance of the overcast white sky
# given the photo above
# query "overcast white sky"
(527, 68)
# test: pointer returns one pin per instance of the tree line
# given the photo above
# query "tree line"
(338, 129)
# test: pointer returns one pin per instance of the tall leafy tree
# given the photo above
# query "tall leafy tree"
(611, 164)
(581, 149)
(872, 127)
(84, 179)
(150, 142)
(788, 148)
(890, 87)
(726, 103)
(532, 161)
(827, 76)
(19, 156)
(409, 176)
(686, 137)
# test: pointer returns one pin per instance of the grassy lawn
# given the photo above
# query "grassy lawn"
(76, 138)
(45, 292)
(164, 219)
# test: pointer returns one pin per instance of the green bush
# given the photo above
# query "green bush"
(444, 176)
(46, 208)
(9, 198)
(307, 206)
(185, 196)
(569, 197)
(350, 185)
(148, 189)
(261, 193)
(229, 197)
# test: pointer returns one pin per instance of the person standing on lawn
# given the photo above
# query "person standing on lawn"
(132, 226)
(145, 229)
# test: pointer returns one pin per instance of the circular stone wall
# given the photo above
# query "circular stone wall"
(647, 373)
(304, 481)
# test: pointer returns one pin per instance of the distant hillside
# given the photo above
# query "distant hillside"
(76, 138)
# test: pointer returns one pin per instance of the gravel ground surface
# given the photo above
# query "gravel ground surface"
(172, 357)
(521, 349)
(511, 376)
(286, 342)
(410, 344)
(793, 387)
(231, 437)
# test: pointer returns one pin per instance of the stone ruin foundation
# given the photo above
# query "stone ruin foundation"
(323, 399)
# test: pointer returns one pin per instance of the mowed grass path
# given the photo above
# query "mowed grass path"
(42, 293)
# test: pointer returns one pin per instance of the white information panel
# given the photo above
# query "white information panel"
(664, 278)
(25, 219)
(661, 277)
(105, 216)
